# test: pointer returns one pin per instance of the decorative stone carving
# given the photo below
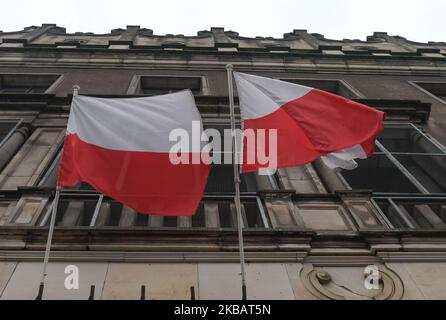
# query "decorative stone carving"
(348, 283)
(27, 211)
(323, 216)
(281, 210)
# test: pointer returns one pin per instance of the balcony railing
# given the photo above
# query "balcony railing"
(85, 209)
(404, 212)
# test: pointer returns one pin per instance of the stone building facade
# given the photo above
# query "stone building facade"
(310, 233)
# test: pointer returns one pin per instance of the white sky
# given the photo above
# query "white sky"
(417, 20)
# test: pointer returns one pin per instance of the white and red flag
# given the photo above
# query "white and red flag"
(310, 123)
(121, 148)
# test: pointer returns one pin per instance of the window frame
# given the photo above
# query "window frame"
(11, 132)
(355, 93)
(50, 89)
(415, 84)
(135, 82)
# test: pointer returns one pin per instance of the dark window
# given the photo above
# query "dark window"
(154, 85)
(379, 174)
(437, 89)
(26, 83)
(221, 180)
(338, 87)
(6, 128)
(418, 212)
(406, 161)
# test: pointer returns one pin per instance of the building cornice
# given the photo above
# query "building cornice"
(51, 46)
(266, 62)
(220, 245)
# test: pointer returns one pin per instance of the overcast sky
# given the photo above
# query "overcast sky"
(417, 20)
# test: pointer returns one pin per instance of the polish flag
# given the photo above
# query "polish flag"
(121, 148)
(310, 123)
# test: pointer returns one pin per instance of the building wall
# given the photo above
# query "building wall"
(309, 237)
(220, 281)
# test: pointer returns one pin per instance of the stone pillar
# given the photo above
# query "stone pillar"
(104, 214)
(128, 217)
(184, 222)
(212, 217)
(15, 141)
(155, 221)
(330, 178)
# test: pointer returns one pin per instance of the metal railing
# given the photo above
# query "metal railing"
(90, 209)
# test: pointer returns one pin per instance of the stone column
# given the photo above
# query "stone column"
(128, 217)
(14, 142)
(330, 178)
(155, 221)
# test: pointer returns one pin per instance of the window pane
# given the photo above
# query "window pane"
(334, 86)
(436, 88)
(5, 128)
(165, 84)
(379, 174)
(406, 139)
(26, 83)
(253, 215)
(429, 170)
(221, 180)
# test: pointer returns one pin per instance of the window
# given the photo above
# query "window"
(436, 90)
(406, 161)
(414, 212)
(339, 87)
(27, 83)
(154, 85)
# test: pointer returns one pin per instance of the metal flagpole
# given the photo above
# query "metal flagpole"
(235, 149)
(51, 230)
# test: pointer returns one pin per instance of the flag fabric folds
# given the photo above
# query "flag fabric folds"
(310, 123)
(121, 148)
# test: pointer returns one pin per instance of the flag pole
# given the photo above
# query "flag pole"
(235, 150)
(51, 230)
